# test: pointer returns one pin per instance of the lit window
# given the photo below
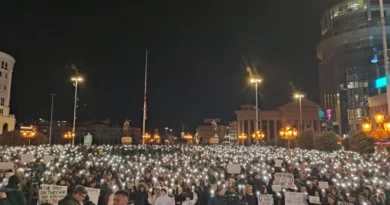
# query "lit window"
(2, 101)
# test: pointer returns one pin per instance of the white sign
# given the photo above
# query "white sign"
(314, 200)
(88, 140)
(344, 203)
(266, 199)
(276, 188)
(93, 194)
(52, 194)
(294, 198)
(285, 180)
(26, 158)
(234, 168)
(48, 159)
(323, 185)
(6, 165)
(278, 163)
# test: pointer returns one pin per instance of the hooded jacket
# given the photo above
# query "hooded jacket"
(14, 195)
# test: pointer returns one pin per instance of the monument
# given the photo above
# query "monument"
(126, 139)
(214, 139)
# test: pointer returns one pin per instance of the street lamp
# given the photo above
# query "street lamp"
(289, 134)
(242, 137)
(256, 81)
(188, 137)
(300, 96)
(28, 133)
(258, 135)
(146, 137)
(382, 131)
(69, 136)
(157, 138)
(76, 81)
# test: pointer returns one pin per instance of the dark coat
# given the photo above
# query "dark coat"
(68, 200)
(141, 198)
(4, 202)
(15, 197)
(217, 200)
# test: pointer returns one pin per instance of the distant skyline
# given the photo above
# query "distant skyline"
(198, 54)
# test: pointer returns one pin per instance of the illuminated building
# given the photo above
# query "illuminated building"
(7, 121)
(271, 121)
(349, 51)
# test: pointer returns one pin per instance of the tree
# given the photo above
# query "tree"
(327, 141)
(305, 141)
(284, 143)
(359, 142)
(14, 138)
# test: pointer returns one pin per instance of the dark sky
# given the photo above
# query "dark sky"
(197, 56)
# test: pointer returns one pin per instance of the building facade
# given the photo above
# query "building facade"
(206, 131)
(349, 51)
(7, 121)
(102, 132)
(271, 121)
(233, 130)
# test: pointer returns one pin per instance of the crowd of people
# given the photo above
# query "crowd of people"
(195, 175)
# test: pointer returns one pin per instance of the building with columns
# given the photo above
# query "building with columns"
(271, 121)
(7, 121)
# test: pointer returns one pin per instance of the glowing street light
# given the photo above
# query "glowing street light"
(28, 132)
(69, 136)
(242, 137)
(382, 131)
(258, 135)
(188, 137)
(76, 81)
(289, 134)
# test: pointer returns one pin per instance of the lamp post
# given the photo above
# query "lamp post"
(76, 81)
(258, 135)
(382, 130)
(28, 132)
(145, 138)
(188, 137)
(256, 81)
(51, 117)
(70, 136)
(156, 138)
(242, 137)
(289, 134)
(300, 96)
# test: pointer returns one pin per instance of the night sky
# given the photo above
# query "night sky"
(198, 52)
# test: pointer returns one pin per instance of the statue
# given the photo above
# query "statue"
(214, 139)
(126, 128)
(126, 139)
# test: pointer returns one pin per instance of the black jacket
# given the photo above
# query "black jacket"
(68, 200)
(141, 198)
(14, 196)
(4, 202)
(217, 200)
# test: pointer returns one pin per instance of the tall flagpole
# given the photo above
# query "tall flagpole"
(144, 117)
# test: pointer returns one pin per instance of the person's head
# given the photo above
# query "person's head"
(249, 189)
(164, 191)
(257, 175)
(351, 198)
(220, 192)
(331, 199)
(214, 186)
(63, 182)
(13, 181)
(121, 197)
(129, 185)
(80, 193)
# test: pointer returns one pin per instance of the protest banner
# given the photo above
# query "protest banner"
(314, 200)
(26, 158)
(93, 194)
(266, 199)
(285, 180)
(323, 185)
(52, 193)
(344, 203)
(48, 159)
(294, 198)
(233, 168)
(6, 165)
(278, 163)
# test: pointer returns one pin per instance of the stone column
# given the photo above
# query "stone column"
(268, 134)
(275, 132)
